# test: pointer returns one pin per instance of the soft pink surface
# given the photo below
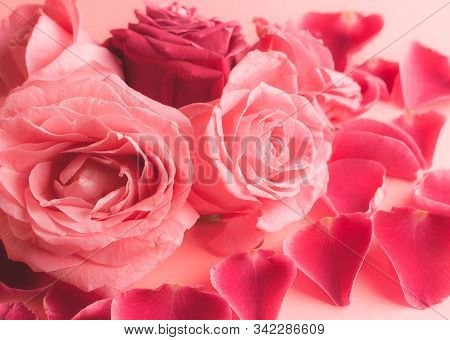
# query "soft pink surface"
(375, 295)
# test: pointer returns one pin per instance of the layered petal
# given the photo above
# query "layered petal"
(431, 193)
(16, 311)
(343, 242)
(418, 245)
(254, 284)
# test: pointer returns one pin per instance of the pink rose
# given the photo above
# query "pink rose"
(261, 149)
(45, 42)
(177, 57)
(94, 181)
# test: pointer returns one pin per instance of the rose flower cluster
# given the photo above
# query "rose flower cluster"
(110, 152)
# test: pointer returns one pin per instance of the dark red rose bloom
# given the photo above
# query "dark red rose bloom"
(177, 57)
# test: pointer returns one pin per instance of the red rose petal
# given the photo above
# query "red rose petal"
(169, 303)
(332, 252)
(99, 310)
(355, 185)
(255, 283)
(424, 77)
(424, 128)
(230, 234)
(16, 311)
(383, 69)
(418, 245)
(372, 88)
(18, 279)
(397, 158)
(432, 192)
(63, 301)
(343, 33)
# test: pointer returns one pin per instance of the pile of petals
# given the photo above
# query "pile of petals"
(110, 152)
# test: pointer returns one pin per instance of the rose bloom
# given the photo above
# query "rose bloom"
(177, 57)
(261, 149)
(94, 181)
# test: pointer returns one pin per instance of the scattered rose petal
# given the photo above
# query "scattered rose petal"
(372, 88)
(63, 301)
(343, 242)
(383, 69)
(16, 311)
(424, 128)
(418, 245)
(99, 310)
(432, 192)
(355, 185)
(424, 77)
(255, 283)
(169, 302)
(343, 33)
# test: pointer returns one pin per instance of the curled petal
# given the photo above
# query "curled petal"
(332, 252)
(355, 185)
(255, 283)
(16, 311)
(372, 88)
(99, 310)
(383, 69)
(169, 302)
(343, 33)
(424, 128)
(432, 192)
(63, 301)
(424, 77)
(418, 245)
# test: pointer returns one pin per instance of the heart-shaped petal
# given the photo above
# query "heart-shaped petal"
(16, 311)
(355, 185)
(169, 302)
(424, 128)
(254, 283)
(332, 252)
(418, 245)
(432, 192)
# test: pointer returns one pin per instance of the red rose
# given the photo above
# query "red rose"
(176, 57)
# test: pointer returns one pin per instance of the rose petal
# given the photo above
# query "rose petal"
(255, 283)
(16, 311)
(332, 252)
(99, 310)
(169, 303)
(424, 77)
(372, 88)
(343, 33)
(418, 245)
(383, 69)
(432, 192)
(424, 128)
(355, 185)
(63, 301)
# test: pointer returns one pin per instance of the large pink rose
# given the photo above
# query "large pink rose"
(94, 181)
(177, 57)
(46, 42)
(261, 149)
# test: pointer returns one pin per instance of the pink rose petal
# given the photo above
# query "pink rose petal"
(432, 192)
(383, 69)
(424, 128)
(16, 311)
(99, 310)
(63, 301)
(418, 245)
(169, 302)
(372, 88)
(343, 33)
(255, 283)
(424, 77)
(355, 185)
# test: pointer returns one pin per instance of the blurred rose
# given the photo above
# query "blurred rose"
(177, 57)
(261, 149)
(94, 181)
(46, 42)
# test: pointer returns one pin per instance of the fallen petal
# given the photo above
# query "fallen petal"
(332, 252)
(418, 245)
(169, 302)
(383, 69)
(255, 283)
(432, 192)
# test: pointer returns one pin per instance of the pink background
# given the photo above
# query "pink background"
(376, 294)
